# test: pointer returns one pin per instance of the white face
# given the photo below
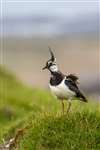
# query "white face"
(54, 68)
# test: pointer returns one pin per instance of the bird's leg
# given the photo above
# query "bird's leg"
(62, 106)
(69, 105)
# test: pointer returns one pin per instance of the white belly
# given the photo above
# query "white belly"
(62, 91)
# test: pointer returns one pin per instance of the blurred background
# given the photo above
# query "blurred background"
(70, 28)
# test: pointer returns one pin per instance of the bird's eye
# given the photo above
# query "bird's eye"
(49, 63)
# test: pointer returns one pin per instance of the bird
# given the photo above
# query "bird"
(64, 87)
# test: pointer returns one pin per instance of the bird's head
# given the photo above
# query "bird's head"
(51, 63)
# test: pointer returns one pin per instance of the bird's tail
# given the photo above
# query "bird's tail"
(82, 97)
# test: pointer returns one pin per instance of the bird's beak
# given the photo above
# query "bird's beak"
(44, 68)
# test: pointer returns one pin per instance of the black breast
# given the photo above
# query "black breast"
(56, 78)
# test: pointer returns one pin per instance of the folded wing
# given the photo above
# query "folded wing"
(71, 82)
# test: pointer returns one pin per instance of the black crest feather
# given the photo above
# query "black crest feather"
(52, 55)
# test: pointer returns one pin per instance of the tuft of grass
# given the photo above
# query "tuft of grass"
(75, 131)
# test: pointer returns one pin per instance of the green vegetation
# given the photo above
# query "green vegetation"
(48, 129)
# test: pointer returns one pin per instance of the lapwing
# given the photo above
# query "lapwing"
(64, 87)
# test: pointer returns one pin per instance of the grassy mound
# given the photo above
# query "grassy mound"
(18, 102)
(56, 132)
(22, 106)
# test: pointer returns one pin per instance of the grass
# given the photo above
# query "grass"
(18, 101)
(22, 106)
(76, 131)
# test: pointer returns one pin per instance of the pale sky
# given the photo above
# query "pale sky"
(56, 7)
(53, 15)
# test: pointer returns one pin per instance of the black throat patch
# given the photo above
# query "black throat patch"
(56, 78)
